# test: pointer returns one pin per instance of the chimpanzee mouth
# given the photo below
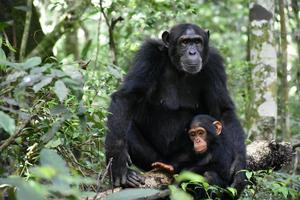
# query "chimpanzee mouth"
(192, 68)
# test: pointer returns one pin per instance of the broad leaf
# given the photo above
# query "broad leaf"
(130, 194)
(7, 123)
(38, 70)
(32, 62)
(45, 81)
(190, 176)
(178, 194)
(49, 158)
(60, 90)
(25, 190)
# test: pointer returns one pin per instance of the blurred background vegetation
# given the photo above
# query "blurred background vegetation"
(61, 59)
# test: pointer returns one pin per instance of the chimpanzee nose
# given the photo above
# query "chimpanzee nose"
(192, 52)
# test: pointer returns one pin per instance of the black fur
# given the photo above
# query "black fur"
(156, 102)
(216, 162)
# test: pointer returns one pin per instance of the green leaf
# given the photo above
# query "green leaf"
(190, 176)
(32, 62)
(45, 172)
(25, 190)
(38, 70)
(2, 56)
(49, 158)
(22, 8)
(232, 191)
(7, 123)
(45, 81)
(249, 175)
(284, 191)
(117, 73)
(60, 90)
(7, 43)
(130, 194)
(55, 127)
(11, 64)
(178, 194)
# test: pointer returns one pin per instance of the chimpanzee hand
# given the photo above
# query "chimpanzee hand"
(163, 166)
(122, 175)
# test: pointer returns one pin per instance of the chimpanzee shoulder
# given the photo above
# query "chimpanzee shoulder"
(146, 68)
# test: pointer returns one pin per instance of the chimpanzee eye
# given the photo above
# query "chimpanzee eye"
(192, 134)
(184, 42)
(198, 41)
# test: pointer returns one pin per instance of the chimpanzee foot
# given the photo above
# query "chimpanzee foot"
(134, 179)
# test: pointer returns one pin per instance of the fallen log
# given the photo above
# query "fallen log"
(261, 155)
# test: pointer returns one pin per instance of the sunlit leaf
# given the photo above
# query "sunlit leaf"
(190, 176)
(232, 191)
(7, 123)
(179, 194)
(249, 174)
(45, 172)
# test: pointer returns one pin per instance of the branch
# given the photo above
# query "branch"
(26, 29)
(296, 145)
(12, 138)
(111, 26)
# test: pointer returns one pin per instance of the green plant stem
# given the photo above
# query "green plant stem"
(26, 30)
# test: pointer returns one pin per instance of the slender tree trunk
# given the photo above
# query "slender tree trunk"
(295, 7)
(282, 97)
(264, 69)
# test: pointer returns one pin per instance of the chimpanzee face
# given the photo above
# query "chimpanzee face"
(188, 47)
(203, 132)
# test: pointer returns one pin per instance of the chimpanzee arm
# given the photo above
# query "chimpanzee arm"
(138, 83)
(115, 142)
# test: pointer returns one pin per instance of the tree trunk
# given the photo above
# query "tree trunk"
(282, 96)
(264, 69)
(15, 30)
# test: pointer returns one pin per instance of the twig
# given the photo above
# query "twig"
(26, 30)
(18, 132)
(111, 25)
(12, 138)
(102, 175)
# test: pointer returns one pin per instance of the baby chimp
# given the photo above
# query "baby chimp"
(215, 159)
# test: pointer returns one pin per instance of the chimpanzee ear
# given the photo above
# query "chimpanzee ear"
(218, 126)
(165, 38)
(207, 32)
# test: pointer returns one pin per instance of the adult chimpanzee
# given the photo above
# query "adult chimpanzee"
(171, 81)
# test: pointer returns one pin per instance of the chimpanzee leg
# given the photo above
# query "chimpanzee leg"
(141, 152)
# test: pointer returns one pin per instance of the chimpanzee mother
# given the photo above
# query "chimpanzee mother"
(171, 81)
